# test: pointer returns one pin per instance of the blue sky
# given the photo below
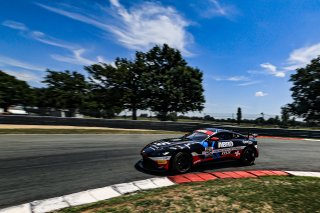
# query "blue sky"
(246, 49)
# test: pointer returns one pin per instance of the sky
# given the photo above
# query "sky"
(246, 49)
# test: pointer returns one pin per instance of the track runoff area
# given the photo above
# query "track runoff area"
(108, 192)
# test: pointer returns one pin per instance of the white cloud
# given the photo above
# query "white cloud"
(139, 27)
(43, 38)
(15, 25)
(38, 35)
(302, 56)
(78, 58)
(298, 58)
(260, 94)
(232, 78)
(213, 8)
(76, 16)
(248, 83)
(272, 69)
(237, 78)
(24, 75)
(6, 61)
(77, 52)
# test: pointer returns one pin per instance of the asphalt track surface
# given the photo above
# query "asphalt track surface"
(34, 167)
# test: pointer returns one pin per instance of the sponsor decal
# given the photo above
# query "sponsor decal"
(247, 142)
(162, 143)
(237, 153)
(226, 152)
(225, 144)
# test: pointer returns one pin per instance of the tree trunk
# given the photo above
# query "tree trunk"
(5, 108)
(163, 116)
(134, 114)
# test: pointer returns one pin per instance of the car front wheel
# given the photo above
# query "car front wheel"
(181, 163)
(248, 156)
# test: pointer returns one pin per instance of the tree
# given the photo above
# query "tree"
(306, 92)
(173, 85)
(239, 115)
(67, 90)
(106, 90)
(285, 115)
(134, 82)
(124, 84)
(14, 91)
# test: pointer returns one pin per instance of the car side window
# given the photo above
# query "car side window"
(224, 136)
(238, 136)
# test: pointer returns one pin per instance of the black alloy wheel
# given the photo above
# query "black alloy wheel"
(181, 163)
(248, 156)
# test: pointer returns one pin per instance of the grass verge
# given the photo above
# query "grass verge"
(83, 131)
(265, 194)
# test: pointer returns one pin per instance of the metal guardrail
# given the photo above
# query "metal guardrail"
(152, 125)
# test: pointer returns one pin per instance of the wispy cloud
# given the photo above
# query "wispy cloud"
(248, 83)
(38, 35)
(213, 8)
(272, 69)
(139, 27)
(24, 75)
(7, 61)
(260, 94)
(298, 58)
(76, 16)
(302, 56)
(77, 58)
(231, 78)
(77, 51)
(15, 25)
(43, 38)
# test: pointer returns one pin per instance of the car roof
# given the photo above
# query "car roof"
(216, 130)
(211, 131)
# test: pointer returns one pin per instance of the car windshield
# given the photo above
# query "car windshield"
(196, 136)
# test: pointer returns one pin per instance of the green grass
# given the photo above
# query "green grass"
(82, 131)
(266, 194)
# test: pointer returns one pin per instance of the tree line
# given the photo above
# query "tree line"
(159, 80)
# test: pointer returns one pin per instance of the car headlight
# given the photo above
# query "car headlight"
(165, 153)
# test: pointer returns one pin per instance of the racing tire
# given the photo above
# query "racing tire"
(248, 156)
(181, 163)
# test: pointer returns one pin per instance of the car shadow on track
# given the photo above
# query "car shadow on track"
(202, 167)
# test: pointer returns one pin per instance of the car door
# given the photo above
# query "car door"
(238, 144)
(225, 144)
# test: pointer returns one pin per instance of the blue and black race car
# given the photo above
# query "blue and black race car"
(180, 154)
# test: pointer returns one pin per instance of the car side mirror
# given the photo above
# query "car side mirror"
(214, 139)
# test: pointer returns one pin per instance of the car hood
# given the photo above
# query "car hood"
(169, 142)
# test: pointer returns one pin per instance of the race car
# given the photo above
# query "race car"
(178, 155)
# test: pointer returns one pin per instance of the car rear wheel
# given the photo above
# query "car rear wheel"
(248, 156)
(181, 163)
